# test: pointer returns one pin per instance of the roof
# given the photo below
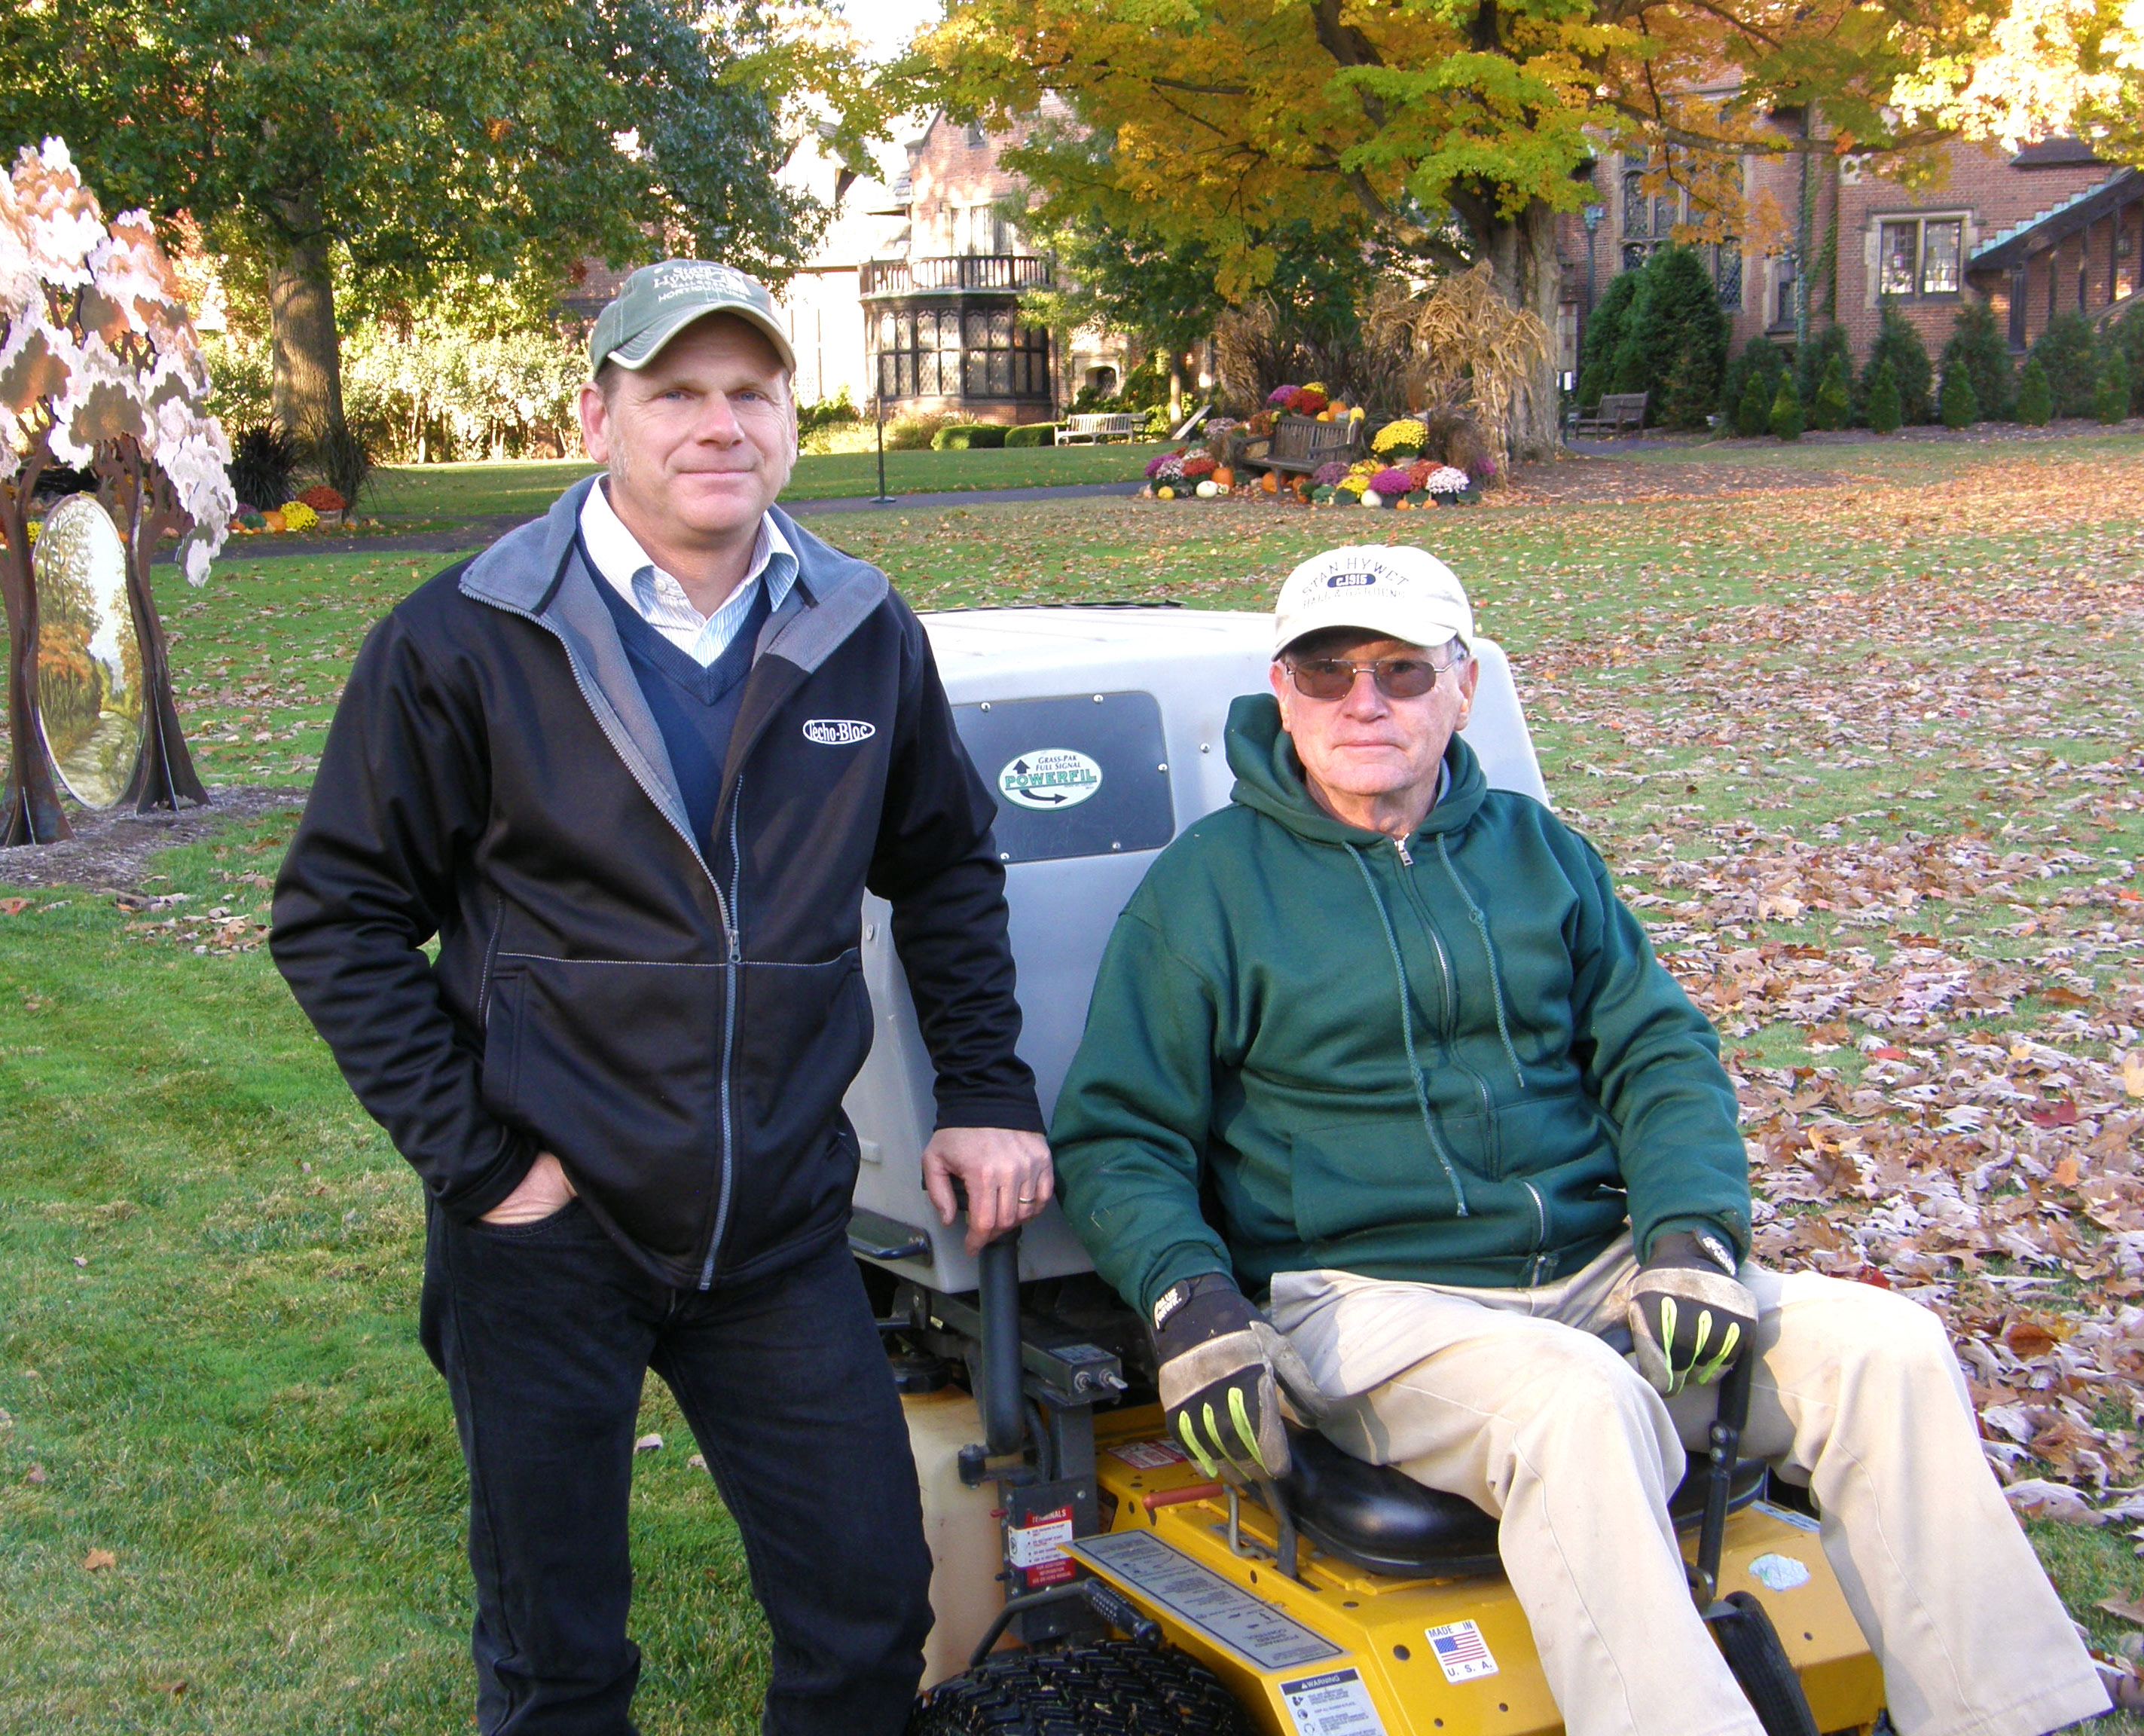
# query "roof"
(2058, 221)
(2055, 153)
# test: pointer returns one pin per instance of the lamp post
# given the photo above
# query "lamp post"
(1591, 216)
(878, 405)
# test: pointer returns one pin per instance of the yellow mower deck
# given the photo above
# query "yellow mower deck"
(1424, 1655)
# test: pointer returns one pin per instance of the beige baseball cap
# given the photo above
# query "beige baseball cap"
(658, 302)
(1400, 593)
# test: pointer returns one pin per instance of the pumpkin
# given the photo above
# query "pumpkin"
(1270, 482)
(1224, 477)
(1206, 490)
(274, 517)
(1165, 493)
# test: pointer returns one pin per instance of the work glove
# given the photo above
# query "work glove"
(1690, 1317)
(1222, 1364)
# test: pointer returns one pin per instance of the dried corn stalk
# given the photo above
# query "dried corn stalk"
(1464, 343)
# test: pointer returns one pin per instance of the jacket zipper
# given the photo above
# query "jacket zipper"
(1407, 1032)
(1540, 1233)
(1495, 976)
(1450, 1023)
(724, 910)
(729, 1034)
(490, 960)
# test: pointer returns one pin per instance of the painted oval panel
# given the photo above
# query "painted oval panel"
(89, 664)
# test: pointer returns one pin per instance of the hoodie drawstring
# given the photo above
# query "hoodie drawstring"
(1496, 979)
(1407, 1032)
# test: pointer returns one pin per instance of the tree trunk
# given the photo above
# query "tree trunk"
(307, 355)
(1523, 258)
(1175, 390)
(31, 799)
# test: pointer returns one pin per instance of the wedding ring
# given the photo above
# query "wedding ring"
(1025, 1199)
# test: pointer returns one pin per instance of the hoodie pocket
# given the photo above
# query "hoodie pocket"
(1367, 1175)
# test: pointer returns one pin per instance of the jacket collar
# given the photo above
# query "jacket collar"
(538, 570)
(526, 569)
(1269, 780)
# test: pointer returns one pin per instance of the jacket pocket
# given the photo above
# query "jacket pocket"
(614, 1065)
(1547, 1129)
(1370, 1174)
(502, 1033)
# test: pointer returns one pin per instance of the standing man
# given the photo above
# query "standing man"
(634, 767)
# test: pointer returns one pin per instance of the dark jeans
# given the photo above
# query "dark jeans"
(544, 1332)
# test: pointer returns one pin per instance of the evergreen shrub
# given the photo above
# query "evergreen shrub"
(1833, 407)
(2035, 398)
(1885, 408)
(1032, 434)
(1979, 345)
(2067, 352)
(1786, 410)
(1898, 347)
(1752, 411)
(1959, 406)
(2111, 399)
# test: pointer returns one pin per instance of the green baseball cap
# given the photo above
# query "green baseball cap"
(658, 302)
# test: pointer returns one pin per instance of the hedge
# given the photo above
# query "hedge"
(1032, 434)
(968, 437)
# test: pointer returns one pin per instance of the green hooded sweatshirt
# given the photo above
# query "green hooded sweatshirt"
(1453, 1062)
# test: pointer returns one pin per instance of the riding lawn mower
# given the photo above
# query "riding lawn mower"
(1089, 1577)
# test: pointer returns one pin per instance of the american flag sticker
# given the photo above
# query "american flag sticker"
(1461, 1651)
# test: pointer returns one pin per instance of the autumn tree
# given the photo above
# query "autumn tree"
(400, 141)
(1459, 131)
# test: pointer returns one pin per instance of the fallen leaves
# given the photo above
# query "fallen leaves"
(97, 1560)
(648, 1444)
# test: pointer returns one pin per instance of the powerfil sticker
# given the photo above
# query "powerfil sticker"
(1336, 1704)
(1461, 1651)
(1050, 778)
(1148, 1455)
(1037, 1548)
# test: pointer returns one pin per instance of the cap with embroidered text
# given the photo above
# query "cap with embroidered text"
(1398, 593)
(658, 302)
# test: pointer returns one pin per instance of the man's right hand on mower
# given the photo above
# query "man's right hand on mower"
(1222, 1364)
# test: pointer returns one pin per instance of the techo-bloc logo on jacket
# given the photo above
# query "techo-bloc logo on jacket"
(839, 732)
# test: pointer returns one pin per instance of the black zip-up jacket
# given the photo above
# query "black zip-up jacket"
(677, 1022)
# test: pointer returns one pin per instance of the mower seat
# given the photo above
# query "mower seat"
(1381, 1519)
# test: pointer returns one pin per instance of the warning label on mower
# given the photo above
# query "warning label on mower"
(1147, 1454)
(1336, 1704)
(1261, 1635)
(1050, 778)
(1037, 1548)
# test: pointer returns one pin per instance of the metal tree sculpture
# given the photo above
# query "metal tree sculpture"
(100, 369)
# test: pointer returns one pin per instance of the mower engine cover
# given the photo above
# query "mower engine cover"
(1098, 732)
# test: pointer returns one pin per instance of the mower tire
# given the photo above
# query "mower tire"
(1751, 1645)
(1117, 1688)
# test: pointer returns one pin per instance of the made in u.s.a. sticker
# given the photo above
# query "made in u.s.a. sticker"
(1335, 1703)
(1461, 1651)
(1261, 1635)
(1050, 778)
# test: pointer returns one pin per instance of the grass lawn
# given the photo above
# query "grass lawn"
(1861, 738)
(435, 492)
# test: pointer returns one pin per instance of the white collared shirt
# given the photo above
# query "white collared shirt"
(660, 600)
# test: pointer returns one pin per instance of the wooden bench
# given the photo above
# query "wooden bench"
(1302, 445)
(1095, 425)
(1616, 413)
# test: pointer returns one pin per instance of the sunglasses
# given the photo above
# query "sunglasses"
(1397, 678)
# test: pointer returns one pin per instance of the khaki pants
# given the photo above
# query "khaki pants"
(1509, 1398)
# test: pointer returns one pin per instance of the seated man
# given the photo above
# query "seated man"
(1462, 1137)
